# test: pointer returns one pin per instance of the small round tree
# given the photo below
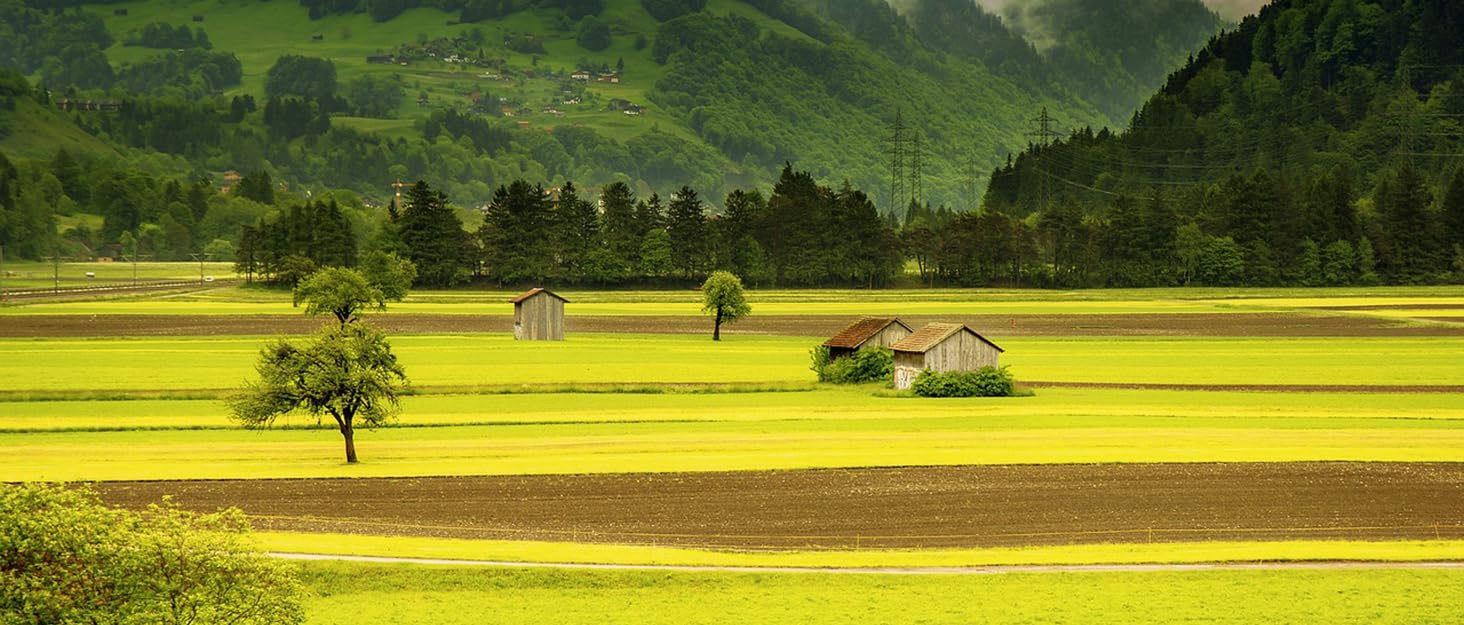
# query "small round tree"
(390, 273)
(723, 298)
(340, 292)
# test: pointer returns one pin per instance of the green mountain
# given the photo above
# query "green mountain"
(1319, 143)
(473, 94)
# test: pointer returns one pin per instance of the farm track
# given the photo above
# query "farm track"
(916, 507)
(1006, 569)
(1156, 324)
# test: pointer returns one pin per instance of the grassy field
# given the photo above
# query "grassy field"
(151, 409)
(721, 445)
(33, 274)
(1421, 301)
(1076, 407)
(355, 593)
(599, 553)
(154, 364)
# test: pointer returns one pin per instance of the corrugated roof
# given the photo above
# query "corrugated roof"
(934, 334)
(532, 292)
(862, 330)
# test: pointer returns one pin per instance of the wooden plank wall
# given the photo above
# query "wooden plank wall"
(539, 318)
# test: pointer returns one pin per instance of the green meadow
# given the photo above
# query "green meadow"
(496, 360)
(1081, 407)
(531, 551)
(808, 437)
(33, 274)
(356, 593)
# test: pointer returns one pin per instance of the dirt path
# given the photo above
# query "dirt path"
(995, 325)
(916, 570)
(888, 508)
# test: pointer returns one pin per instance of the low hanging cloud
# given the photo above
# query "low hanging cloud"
(1229, 9)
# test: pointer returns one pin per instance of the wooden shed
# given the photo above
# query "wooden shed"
(942, 347)
(538, 315)
(869, 332)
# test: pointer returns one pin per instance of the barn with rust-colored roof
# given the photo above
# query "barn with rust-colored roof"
(942, 347)
(869, 332)
(538, 315)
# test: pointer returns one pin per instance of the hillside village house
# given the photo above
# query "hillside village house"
(942, 347)
(538, 315)
(867, 333)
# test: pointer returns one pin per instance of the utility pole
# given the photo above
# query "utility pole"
(2, 273)
(969, 185)
(917, 172)
(56, 267)
(200, 257)
(897, 140)
(1044, 136)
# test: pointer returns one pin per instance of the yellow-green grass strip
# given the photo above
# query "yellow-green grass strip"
(211, 363)
(351, 593)
(676, 446)
(32, 274)
(1057, 407)
(587, 553)
(475, 306)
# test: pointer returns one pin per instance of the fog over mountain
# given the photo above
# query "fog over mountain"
(1231, 10)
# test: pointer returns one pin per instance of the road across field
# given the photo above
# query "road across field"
(1154, 324)
(918, 507)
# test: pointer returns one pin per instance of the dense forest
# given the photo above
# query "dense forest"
(1319, 143)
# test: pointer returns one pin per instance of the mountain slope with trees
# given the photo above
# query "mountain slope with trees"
(1320, 143)
(363, 124)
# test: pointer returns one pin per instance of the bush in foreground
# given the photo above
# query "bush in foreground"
(986, 382)
(869, 365)
(66, 558)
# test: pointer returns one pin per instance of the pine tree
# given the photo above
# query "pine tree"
(578, 230)
(1414, 250)
(686, 222)
(515, 234)
(434, 237)
(620, 227)
(1453, 211)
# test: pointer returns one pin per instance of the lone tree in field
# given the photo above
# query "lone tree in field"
(722, 296)
(347, 372)
(345, 292)
(340, 292)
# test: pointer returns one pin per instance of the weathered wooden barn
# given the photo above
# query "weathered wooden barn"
(869, 332)
(942, 347)
(538, 315)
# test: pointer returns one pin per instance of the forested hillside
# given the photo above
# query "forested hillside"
(807, 81)
(1110, 54)
(1320, 143)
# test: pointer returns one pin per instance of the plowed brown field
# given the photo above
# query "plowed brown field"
(870, 508)
(1158, 324)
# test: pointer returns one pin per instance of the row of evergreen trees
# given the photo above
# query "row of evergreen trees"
(803, 234)
(1252, 230)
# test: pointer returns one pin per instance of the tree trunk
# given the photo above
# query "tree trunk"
(717, 329)
(350, 434)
